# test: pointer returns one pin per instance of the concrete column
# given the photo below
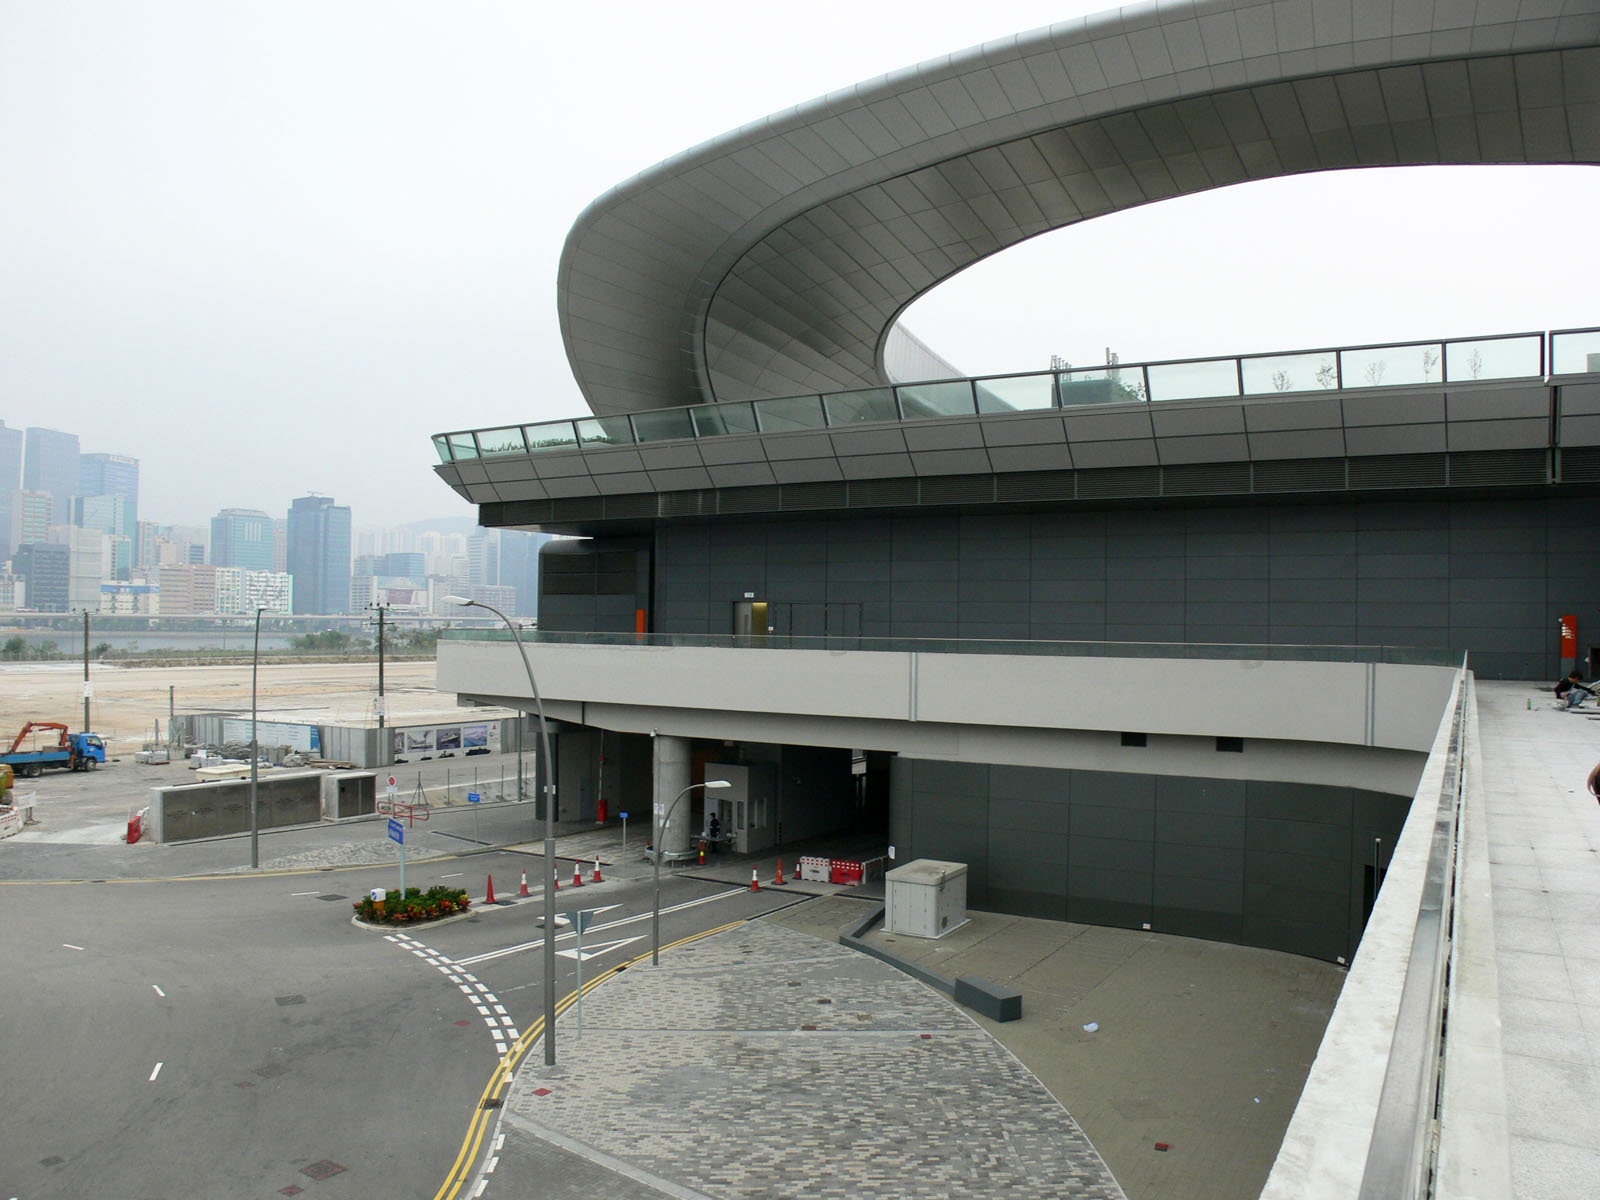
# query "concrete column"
(671, 771)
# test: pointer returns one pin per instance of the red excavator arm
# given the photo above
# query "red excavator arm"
(31, 726)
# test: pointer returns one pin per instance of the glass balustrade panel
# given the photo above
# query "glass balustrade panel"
(1493, 358)
(789, 412)
(1017, 393)
(1317, 371)
(1194, 380)
(462, 447)
(920, 401)
(662, 425)
(1101, 385)
(718, 420)
(1575, 353)
(441, 445)
(605, 431)
(1391, 366)
(493, 443)
(550, 435)
(849, 408)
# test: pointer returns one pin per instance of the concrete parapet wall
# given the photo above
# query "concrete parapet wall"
(200, 810)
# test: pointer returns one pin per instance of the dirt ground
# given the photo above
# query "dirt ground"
(129, 700)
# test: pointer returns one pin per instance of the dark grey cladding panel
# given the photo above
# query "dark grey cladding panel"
(718, 450)
(619, 484)
(1217, 448)
(750, 474)
(609, 461)
(1309, 443)
(1029, 430)
(807, 470)
(798, 445)
(1195, 420)
(1499, 435)
(560, 466)
(951, 462)
(576, 485)
(1395, 439)
(879, 439)
(1490, 403)
(669, 456)
(875, 466)
(1580, 430)
(1579, 399)
(1320, 413)
(1097, 455)
(1385, 407)
(526, 489)
(499, 470)
(1126, 422)
(680, 479)
(943, 435)
(1053, 456)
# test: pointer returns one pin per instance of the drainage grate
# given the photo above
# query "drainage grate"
(331, 896)
(492, 1102)
(286, 1001)
(326, 1169)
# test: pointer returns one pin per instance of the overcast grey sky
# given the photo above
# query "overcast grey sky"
(270, 247)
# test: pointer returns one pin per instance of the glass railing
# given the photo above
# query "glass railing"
(1404, 655)
(1399, 364)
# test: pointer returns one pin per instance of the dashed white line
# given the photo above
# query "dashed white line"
(453, 875)
(70, 946)
(305, 893)
(154, 1073)
(159, 992)
(488, 1167)
(482, 1183)
(499, 1143)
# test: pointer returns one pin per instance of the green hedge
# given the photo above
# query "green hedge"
(418, 905)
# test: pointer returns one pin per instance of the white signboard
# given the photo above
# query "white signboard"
(305, 738)
(431, 739)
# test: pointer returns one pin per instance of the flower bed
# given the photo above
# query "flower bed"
(416, 907)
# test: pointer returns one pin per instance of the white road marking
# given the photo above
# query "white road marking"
(452, 875)
(159, 992)
(488, 1167)
(499, 1145)
(70, 946)
(600, 948)
(501, 1009)
(482, 1011)
(561, 937)
(305, 893)
(154, 1073)
(482, 1183)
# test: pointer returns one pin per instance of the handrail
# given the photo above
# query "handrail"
(1504, 356)
(1404, 1146)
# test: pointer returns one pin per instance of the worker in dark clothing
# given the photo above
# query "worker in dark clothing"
(1572, 691)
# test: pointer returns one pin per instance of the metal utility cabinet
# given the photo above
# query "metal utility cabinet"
(926, 898)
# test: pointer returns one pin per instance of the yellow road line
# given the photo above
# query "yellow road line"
(500, 1078)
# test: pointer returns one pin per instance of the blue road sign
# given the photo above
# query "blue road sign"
(474, 797)
(624, 816)
(397, 831)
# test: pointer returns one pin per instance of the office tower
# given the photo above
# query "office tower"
(32, 514)
(50, 464)
(112, 475)
(403, 564)
(44, 567)
(242, 537)
(483, 558)
(10, 481)
(319, 554)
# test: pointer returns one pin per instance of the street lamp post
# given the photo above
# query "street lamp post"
(655, 915)
(549, 832)
(255, 748)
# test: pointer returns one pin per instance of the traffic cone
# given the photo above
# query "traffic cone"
(755, 884)
(525, 891)
(597, 878)
(577, 873)
(778, 882)
(489, 899)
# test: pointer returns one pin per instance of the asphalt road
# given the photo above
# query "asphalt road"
(239, 1036)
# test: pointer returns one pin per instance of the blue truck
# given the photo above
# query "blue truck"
(75, 751)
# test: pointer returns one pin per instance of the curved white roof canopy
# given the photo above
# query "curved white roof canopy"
(774, 260)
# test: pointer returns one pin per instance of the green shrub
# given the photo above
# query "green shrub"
(416, 906)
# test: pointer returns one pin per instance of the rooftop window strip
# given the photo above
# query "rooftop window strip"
(790, 412)
(1494, 358)
(1575, 352)
(719, 420)
(462, 446)
(662, 424)
(441, 445)
(850, 408)
(492, 443)
(921, 401)
(1015, 393)
(605, 431)
(550, 435)
(1392, 366)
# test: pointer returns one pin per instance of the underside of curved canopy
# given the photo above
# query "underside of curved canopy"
(775, 259)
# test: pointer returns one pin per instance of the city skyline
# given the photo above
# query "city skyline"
(407, 195)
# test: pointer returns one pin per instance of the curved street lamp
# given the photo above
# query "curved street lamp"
(655, 916)
(549, 833)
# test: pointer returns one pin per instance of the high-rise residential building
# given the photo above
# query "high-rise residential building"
(483, 557)
(280, 545)
(43, 567)
(271, 590)
(242, 537)
(50, 464)
(88, 566)
(146, 539)
(319, 554)
(10, 481)
(188, 589)
(112, 475)
(107, 515)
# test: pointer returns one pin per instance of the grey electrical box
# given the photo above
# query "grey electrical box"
(926, 898)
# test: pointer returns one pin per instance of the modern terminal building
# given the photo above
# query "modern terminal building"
(1159, 645)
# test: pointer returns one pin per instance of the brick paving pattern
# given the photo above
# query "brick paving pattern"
(700, 1073)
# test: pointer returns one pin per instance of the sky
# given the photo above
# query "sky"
(269, 248)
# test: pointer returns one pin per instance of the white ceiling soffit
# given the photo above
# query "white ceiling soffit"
(775, 259)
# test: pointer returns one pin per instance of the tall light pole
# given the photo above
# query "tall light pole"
(655, 915)
(385, 751)
(88, 688)
(255, 748)
(549, 830)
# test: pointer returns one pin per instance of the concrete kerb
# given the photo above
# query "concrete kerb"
(998, 1002)
(853, 938)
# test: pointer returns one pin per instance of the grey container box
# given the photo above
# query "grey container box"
(926, 898)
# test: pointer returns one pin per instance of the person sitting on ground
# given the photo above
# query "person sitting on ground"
(1572, 691)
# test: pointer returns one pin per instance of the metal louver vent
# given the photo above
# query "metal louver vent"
(1398, 471)
(765, 498)
(1036, 485)
(577, 508)
(1205, 479)
(1580, 464)
(1300, 475)
(1489, 467)
(634, 504)
(693, 503)
(829, 494)
(1119, 481)
(958, 489)
(877, 493)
